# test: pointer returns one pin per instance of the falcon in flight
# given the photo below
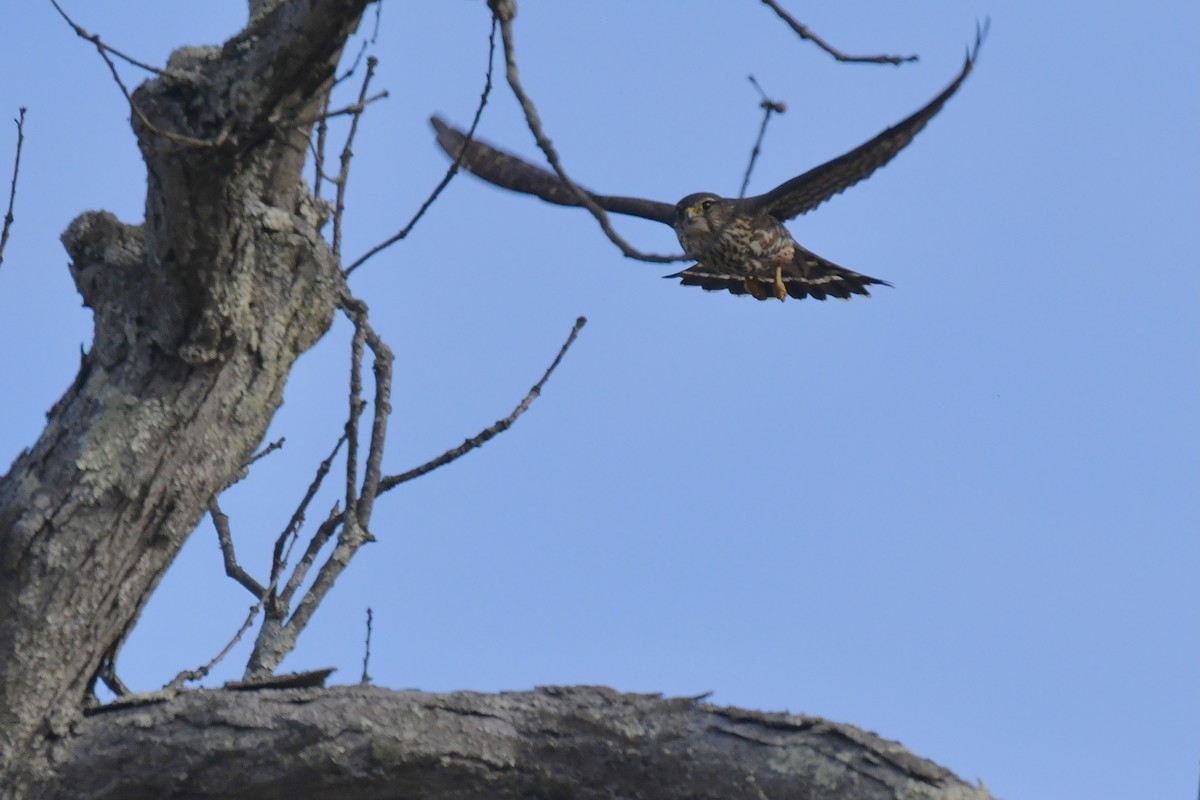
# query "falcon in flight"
(738, 244)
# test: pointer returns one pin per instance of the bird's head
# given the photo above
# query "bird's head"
(703, 212)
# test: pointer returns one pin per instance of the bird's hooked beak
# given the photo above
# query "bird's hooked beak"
(693, 214)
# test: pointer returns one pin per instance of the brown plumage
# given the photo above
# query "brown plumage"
(740, 245)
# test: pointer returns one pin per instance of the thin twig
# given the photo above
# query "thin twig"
(12, 192)
(450, 173)
(202, 672)
(324, 532)
(804, 32)
(350, 539)
(319, 148)
(356, 517)
(484, 436)
(103, 50)
(95, 39)
(266, 451)
(343, 177)
(283, 548)
(366, 43)
(769, 107)
(357, 406)
(382, 358)
(504, 11)
(366, 677)
(354, 108)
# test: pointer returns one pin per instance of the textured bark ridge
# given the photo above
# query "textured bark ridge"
(582, 742)
(199, 314)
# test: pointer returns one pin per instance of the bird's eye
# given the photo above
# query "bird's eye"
(706, 205)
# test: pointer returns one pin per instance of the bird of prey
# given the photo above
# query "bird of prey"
(738, 244)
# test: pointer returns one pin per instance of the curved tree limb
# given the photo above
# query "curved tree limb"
(578, 742)
(804, 32)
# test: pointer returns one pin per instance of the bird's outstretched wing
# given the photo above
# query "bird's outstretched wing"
(805, 192)
(510, 172)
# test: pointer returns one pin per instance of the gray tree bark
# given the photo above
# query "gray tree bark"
(200, 313)
(582, 742)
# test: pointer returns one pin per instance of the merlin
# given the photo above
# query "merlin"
(739, 245)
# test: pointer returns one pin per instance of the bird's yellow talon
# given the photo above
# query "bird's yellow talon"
(780, 289)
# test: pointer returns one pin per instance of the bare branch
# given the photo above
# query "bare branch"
(104, 50)
(357, 406)
(382, 369)
(769, 107)
(804, 32)
(354, 108)
(450, 173)
(487, 434)
(319, 539)
(95, 39)
(232, 568)
(505, 10)
(277, 638)
(347, 154)
(318, 150)
(282, 547)
(12, 192)
(202, 672)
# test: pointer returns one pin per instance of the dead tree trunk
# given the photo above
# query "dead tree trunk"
(199, 315)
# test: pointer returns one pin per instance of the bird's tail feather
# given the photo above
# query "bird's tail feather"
(808, 275)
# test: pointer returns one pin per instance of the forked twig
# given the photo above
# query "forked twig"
(769, 107)
(804, 32)
(450, 173)
(104, 50)
(287, 538)
(283, 623)
(360, 500)
(235, 571)
(366, 43)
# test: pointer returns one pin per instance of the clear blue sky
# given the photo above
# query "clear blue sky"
(962, 513)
